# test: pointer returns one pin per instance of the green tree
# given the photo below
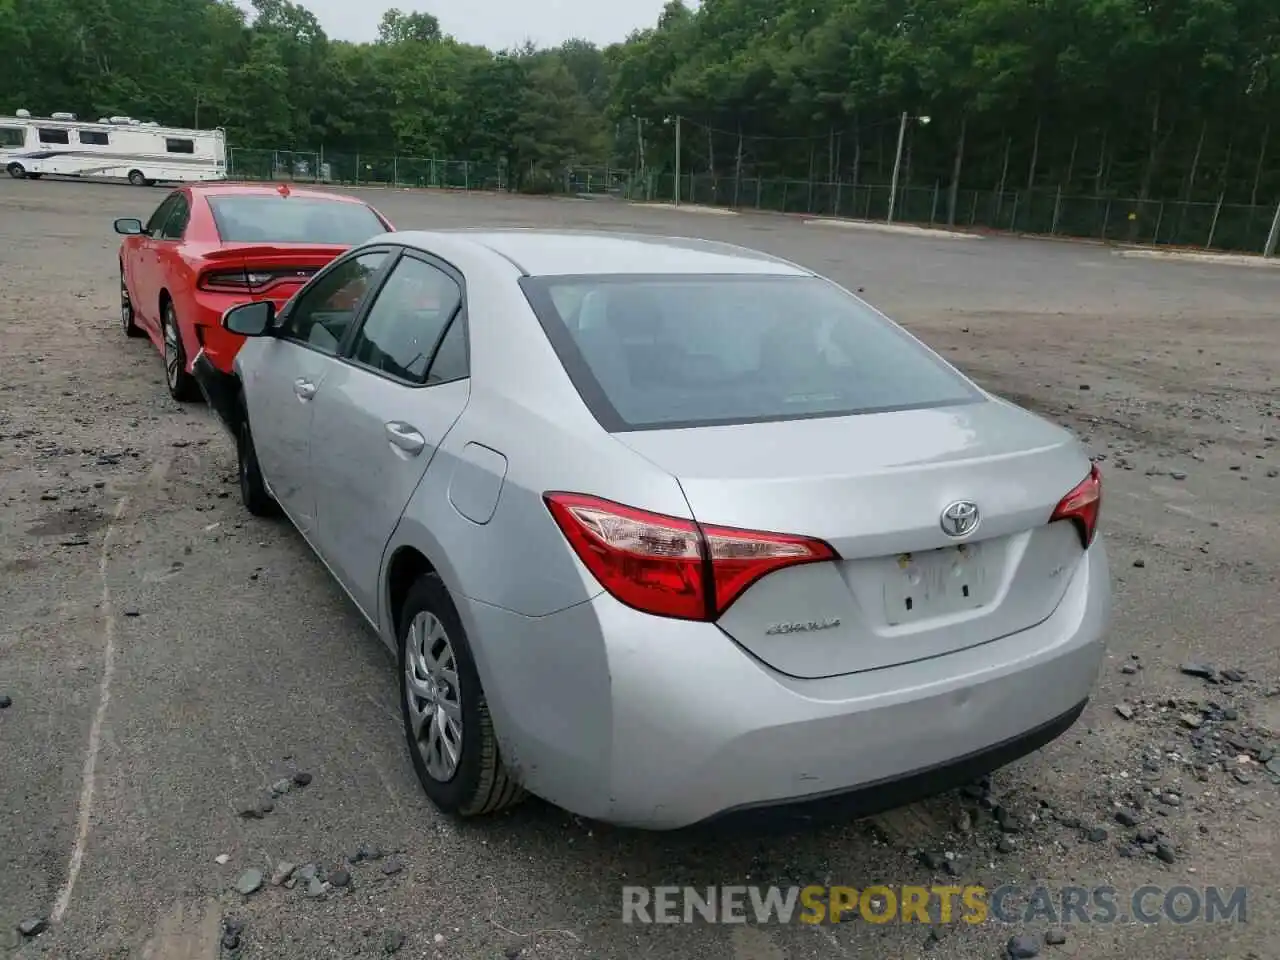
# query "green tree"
(1166, 99)
(399, 27)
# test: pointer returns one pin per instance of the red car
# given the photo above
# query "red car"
(211, 246)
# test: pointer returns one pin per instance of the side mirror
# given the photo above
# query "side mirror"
(128, 226)
(250, 319)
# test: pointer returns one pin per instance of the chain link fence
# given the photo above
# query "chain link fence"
(302, 166)
(356, 169)
(1209, 226)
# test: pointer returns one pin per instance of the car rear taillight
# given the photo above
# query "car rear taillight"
(250, 280)
(1081, 506)
(672, 567)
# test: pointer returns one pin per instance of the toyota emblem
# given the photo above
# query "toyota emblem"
(960, 519)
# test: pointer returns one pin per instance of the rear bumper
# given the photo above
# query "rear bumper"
(219, 345)
(221, 391)
(619, 716)
(902, 789)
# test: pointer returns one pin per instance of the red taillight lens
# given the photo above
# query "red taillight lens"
(672, 567)
(741, 557)
(1081, 506)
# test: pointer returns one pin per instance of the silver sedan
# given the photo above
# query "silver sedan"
(665, 529)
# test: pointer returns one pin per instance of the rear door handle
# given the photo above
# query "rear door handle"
(405, 437)
(305, 389)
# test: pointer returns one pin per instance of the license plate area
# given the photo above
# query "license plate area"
(935, 583)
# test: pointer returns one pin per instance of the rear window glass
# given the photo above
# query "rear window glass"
(668, 352)
(12, 136)
(293, 220)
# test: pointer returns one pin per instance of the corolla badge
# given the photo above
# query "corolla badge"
(802, 626)
(960, 519)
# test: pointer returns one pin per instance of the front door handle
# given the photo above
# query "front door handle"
(305, 389)
(405, 437)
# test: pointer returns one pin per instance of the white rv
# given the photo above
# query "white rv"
(114, 147)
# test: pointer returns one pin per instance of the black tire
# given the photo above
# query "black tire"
(127, 318)
(137, 178)
(182, 386)
(480, 784)
(16, 170)
(253, 492)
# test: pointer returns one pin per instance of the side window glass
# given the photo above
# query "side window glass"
(406, 321)
(176, 224)
(12, 136)
(450, 361)
(323, 312)
(161, 215)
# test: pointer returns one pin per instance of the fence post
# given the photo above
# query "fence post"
(1213, 227)
(933, 212)
(758, 187)
(466, 175)
(1155, 238)
(1274, 236)
(357, 168)
(1013, 220)
(1106, 218)
(1057, 212)
(395, 171)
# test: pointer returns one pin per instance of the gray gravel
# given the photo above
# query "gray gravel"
(223, 685)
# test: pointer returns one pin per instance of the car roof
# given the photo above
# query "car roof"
(540, 252)
(223, 189)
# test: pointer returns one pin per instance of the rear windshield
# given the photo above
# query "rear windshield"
(668, 352)
(293, 220)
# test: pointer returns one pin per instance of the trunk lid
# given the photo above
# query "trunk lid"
(875, 487)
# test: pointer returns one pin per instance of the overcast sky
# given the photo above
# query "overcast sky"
(496, 23)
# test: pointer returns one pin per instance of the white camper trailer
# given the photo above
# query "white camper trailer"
(114, 147)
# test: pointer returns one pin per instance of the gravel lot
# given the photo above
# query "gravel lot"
(169, 657)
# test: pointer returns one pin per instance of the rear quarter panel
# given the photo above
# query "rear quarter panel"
(522, 594)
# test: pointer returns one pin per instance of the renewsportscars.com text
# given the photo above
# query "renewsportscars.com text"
(934, 904)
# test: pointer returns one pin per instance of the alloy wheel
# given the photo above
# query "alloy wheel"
(172, 350)
(433, 696)
(126, 305)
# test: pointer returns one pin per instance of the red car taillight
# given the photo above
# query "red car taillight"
(250, 280)
(1081, 506)
(671, 567)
